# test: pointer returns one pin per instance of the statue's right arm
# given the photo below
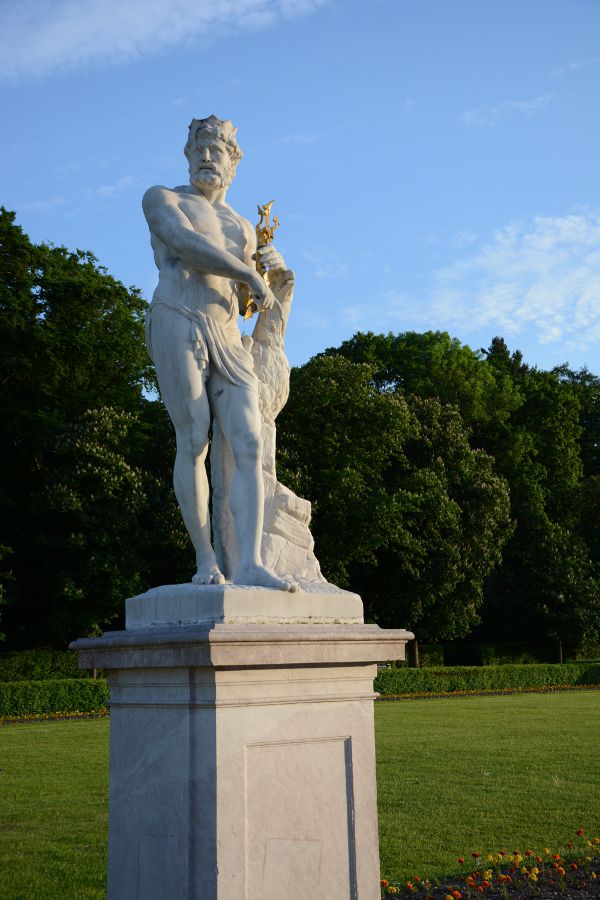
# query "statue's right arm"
(198, 251)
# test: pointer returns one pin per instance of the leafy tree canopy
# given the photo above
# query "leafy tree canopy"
(405, 511)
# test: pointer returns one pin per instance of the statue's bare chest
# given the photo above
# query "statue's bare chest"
(218, 222)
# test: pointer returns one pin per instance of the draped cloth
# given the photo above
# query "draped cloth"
(212, 346)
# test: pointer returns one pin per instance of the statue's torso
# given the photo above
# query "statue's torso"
(211, 294)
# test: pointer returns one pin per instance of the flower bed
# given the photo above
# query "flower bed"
(573, 872)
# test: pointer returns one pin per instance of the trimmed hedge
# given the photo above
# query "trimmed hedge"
(22, 698)
(39, 665)
(483, 678)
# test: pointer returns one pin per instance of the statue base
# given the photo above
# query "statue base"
(242, 760)
(319, 603)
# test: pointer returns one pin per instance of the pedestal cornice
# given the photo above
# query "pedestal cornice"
(224, 645)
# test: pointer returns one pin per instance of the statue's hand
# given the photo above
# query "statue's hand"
(271, 258)
(261, 293)
(281, 282)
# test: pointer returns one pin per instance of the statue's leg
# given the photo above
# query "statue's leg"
(183, 390)
(237, 412)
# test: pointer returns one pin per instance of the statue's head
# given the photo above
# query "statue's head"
(212, 152)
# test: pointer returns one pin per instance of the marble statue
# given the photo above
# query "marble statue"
(210, 376)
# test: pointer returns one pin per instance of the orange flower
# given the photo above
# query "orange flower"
(573, 866)
(383, 882)
(560, 871)
(461, 859)
(417, 877)
(486, 884)
(556, 856)
(480, 889)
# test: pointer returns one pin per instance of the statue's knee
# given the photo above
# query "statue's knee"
(193, 440)
(250, 449)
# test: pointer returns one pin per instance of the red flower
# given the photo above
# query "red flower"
(475, 854)
(573, 865)
(556, 856)
(417, 877)
(580, 832)
(461, 859)
(528, 853)
(569, 845)
(480, 889)
(457, 895)
(486, 884)
(539, 859)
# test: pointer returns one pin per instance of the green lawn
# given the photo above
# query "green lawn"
(53, 790)
(484, 774)
(454, 776)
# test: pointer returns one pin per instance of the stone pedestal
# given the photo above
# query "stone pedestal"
(242, 761)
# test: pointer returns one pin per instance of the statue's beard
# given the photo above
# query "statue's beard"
(204, 175)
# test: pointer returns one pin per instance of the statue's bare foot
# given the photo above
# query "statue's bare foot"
(208, 574)
(259, 576)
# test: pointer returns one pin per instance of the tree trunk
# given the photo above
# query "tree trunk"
(413, 654)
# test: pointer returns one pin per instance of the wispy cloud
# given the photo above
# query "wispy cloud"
(538, 277)
(43, 205)
(106, 191)
(40, 36)
(493, 115)
(577, 64)
(326, 264)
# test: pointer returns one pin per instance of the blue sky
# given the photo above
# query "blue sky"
(435, 164)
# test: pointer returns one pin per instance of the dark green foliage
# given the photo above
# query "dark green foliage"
(487, 654)
(431, 655)
(484, 678)
(39, 665)
(22, 698)
(543, 431)
(405, 511)
(86, 508)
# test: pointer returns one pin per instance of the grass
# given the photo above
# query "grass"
(53, 817)
(454, 776)
(483, 774)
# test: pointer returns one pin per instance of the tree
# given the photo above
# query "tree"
(434, 365)
(547, 586)
(405, 511)
(543, 431)
(73, 346)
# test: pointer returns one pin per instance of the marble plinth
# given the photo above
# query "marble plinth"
(242, 761)
(192, 604)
